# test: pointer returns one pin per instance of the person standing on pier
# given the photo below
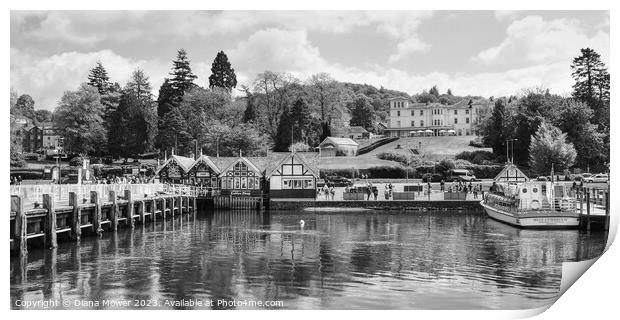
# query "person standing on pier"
(332, 191)
(442, 185)
(475, 192)
(368, 190)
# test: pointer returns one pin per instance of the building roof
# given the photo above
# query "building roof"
(244, 160)
(399, 98)
(511, 173)
(356, 129)
(207, 161)
(183, 162)
(309, 160)
(339, 141)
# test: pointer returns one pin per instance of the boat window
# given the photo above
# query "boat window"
(543, 189)
(524, 190)
(534, 190)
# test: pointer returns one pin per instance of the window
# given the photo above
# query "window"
(412, 113)
(466, 120)
(467, 111)
(398, 124)
(456, 120)
(398, 113)
(456, 112)
(421, 123)
(413, 123)
(421, 112)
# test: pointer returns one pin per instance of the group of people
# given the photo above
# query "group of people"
(328, 191)
(17, 180)
(462, 186)
(122, 180)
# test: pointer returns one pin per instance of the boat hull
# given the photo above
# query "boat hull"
(543, 221)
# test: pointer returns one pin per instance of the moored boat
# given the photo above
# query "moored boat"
(532, 204)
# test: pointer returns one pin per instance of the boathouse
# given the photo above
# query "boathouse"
(175, 170)
(241, 178)
(204, 172)
(293, 177)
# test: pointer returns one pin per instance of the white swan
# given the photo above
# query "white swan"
(301, 223)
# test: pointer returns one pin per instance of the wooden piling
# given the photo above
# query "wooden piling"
(153, 210)
(113, 209)
(129, 208)
(588, 210)
(163, 208)
(19, 236)
(194, 208)
(96, 217)
(607, 210)
(76, 217)
(141, 211)
(50, 221)
(180, 204)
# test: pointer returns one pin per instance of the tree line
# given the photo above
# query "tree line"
(548, 129)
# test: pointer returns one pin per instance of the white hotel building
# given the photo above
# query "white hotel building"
(408, 118)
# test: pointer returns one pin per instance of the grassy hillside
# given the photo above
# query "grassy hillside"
(433, 148)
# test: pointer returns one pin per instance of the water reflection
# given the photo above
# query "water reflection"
(370, 260)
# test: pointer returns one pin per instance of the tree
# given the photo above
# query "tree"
(549, 147)
(362, 114)
(494, 132)
(591, 82)
(588, 142)
(43, 115)
(16, 155)
(165, 98)
(98, 78)
(173, 132)
(283, 138)
(79, 119)
(14, 96)
(134, 124)
(182, 77)
(325, 131)
(222, 74)
(434, 91)
(249, 115)
(25, 106)
(426, 97)
(301, 120)
(275, 91)
(449, 92)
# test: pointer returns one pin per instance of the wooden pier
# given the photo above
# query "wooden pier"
(90, 216)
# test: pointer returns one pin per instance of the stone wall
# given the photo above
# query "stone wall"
(467, 205)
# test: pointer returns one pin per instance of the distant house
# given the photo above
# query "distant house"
(333, 146)
(32, 140)
(294, 177)
(380, 128)
(175, 170)
(356, 132)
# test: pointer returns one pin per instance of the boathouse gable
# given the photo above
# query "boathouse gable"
(175, 169)
(292, 177)
(241, 177)
(204, 172)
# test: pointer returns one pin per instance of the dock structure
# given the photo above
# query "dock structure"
(93, 215)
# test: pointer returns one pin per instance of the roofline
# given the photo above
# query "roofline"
(293, 154)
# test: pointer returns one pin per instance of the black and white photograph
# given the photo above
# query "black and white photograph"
(306, 159)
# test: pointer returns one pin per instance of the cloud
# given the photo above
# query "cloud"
(535, 40)
(46, 79)
(408, 46)
(291, 51)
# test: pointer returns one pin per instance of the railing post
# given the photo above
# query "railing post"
(588, 210)
(50, 222)
(141, 210)
(153, 209)
(113, 209)
(129, 208)
(96, 217)
(76, 216)
(180, 204)
(20, 235)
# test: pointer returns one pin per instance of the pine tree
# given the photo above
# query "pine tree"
(173, 132)
(283, 135)
(326, 130)
(591, 81)
(301, 119)
(165, 98)
(98, 78)
(223, 75)
(449, 92)
(249, 115)
(182, 77)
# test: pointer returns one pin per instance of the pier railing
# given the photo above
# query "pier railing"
(34, 193)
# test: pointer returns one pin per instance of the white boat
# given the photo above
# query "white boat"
(532, 204)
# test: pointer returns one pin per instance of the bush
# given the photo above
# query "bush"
(476, 157)
(76, 161)
(398, 157)
(477, 143)
(299, 147)
(381, 172)
(461, 164)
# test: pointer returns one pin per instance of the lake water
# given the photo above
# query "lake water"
(369, 260)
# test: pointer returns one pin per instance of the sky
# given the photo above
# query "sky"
(485, 53)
